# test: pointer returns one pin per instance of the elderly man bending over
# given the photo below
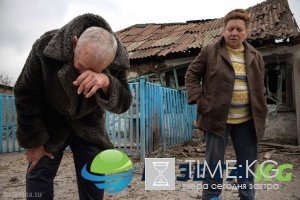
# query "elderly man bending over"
(71, 77)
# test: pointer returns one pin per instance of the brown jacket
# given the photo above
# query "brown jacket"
(213, 67)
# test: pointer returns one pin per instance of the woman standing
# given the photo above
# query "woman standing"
(230, 99)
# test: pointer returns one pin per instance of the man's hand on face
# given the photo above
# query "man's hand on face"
(89, 82)
(35, 154)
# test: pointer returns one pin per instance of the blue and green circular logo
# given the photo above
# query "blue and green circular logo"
(114, 169)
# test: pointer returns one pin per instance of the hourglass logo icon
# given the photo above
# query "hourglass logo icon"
(160, 180)
(160, 173)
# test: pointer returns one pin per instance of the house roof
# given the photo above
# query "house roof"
(6, 87)
(271, 19)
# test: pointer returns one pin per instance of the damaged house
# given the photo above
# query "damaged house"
(162, 53)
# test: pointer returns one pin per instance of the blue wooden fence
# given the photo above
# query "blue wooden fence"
(157, 118)
(8, 141)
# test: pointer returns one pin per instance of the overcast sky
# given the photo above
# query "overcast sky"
(22, 22)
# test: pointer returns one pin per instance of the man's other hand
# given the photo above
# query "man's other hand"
(89, 82)
(35, 154)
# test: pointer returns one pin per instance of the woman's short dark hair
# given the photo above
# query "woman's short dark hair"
(237, 14)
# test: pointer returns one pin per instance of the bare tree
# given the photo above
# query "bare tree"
(5, 79)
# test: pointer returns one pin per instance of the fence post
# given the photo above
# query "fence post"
(131, 120)
(13, 123)
(142, 117)
(137, 117)
(119, 132)
(162, 120)
(147, 117)
(7, 122)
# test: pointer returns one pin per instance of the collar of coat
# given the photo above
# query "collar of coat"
(249, 52)
(60, 46)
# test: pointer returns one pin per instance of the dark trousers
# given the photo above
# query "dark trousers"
(39, 182)
(245, 145)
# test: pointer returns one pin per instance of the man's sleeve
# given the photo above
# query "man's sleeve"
(29, 99)
(119, 97)
(193, 76)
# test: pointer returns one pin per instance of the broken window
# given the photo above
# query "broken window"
(275, 82)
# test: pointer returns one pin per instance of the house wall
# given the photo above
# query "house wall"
(6, 90)
(291, 55)
(296, 81)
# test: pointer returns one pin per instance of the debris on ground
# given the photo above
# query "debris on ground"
(13, 167)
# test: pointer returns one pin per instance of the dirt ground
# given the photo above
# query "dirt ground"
(13, 166)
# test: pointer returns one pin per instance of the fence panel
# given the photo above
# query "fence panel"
(8, 142)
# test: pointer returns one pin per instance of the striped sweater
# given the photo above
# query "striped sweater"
(240, 103)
